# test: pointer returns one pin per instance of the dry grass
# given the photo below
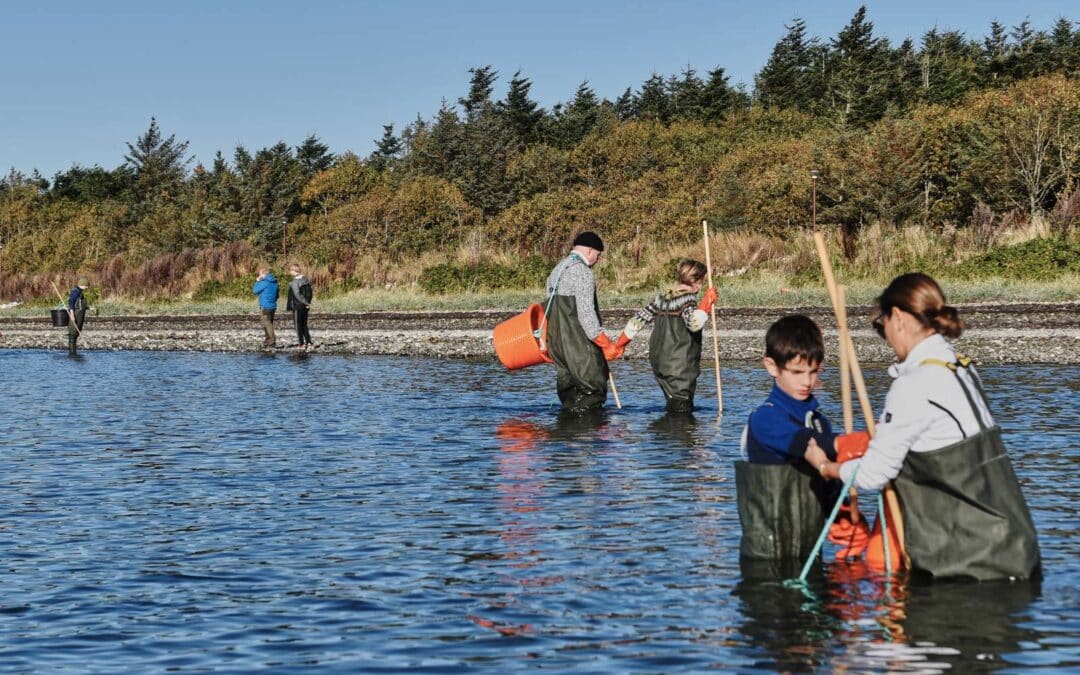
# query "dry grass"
(751, 269)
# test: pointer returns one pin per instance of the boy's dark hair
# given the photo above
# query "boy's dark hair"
(792, 336)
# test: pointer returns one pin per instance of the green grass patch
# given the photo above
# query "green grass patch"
(448, 278)
(1034, 260)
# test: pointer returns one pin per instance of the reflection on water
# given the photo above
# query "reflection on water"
(234, 512)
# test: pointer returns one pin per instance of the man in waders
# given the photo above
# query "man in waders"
(575, 340)
(77, 305)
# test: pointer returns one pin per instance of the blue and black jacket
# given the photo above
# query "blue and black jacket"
(778, 431)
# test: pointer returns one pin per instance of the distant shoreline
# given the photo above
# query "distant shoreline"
(997, 333)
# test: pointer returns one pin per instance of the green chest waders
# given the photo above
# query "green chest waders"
(582, 372)
(964, 514)
(675, 354)
(781, 509)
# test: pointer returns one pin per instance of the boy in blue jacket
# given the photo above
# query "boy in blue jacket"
(780, 429)
(266, 289)
(782, 505)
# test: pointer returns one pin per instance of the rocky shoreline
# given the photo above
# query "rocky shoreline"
(997, 333)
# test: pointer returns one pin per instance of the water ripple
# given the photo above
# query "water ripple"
(210, 511)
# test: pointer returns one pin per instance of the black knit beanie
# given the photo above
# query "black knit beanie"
(590, 239)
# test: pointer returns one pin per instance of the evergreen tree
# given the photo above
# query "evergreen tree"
(1064, 47)
(574, 121)
(1021, 63)
(995, 53)
(159, 164)
(242, 160)
(625, 106)
(717, 97)
(387, 149)
(92, 185)
(271, 193)
(522, 113)
(314, 156)
(858, 83)
(653, 102)
(950, 66)
(437, 151)
(480, 87)
(685, 94)
(410, 133)
(906, 75)
(793, 77)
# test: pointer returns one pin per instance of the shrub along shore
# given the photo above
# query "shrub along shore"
(959, 157)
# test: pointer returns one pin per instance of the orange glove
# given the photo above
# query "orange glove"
(610, 349)
(708, 300)
(622, 341)
(851, 446)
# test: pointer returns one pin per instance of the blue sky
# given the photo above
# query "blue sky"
(79, 79)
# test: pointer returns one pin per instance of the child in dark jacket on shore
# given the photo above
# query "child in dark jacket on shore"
(299, 304)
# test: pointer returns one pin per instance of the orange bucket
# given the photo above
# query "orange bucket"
(515, 342)
(875, 548)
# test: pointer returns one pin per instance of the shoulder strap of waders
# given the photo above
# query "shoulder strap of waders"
(955, 366)
(539, 332)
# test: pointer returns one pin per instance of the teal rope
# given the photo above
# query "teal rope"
(828, 524)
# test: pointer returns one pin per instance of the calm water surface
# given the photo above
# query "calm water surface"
(241, 512)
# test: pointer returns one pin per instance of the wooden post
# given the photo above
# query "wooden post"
(891, 500)
(614, 391)
(845, 362)
(845, 383)
(712, 313)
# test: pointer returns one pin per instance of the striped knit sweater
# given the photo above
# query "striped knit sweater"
(679, 301)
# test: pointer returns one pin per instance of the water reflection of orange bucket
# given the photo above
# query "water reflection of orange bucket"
(515, 341)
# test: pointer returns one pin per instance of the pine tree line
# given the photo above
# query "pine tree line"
(509, 168)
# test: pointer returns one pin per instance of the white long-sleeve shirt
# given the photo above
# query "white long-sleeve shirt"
(925, 410)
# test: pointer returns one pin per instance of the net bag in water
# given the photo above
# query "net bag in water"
(518, 340)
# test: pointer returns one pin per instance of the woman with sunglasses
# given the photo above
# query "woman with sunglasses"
(964, 514)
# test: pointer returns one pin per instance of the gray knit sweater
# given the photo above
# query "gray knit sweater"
(575, 278)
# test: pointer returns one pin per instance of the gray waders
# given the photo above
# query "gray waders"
(582, 372)
(964, 514)
(675, 354)
(782, 509)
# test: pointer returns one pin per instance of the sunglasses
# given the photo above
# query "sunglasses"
(878, 324)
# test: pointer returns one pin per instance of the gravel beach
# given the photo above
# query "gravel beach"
(997, 333)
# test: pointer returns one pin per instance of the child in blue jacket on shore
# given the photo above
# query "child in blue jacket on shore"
(266, 289)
